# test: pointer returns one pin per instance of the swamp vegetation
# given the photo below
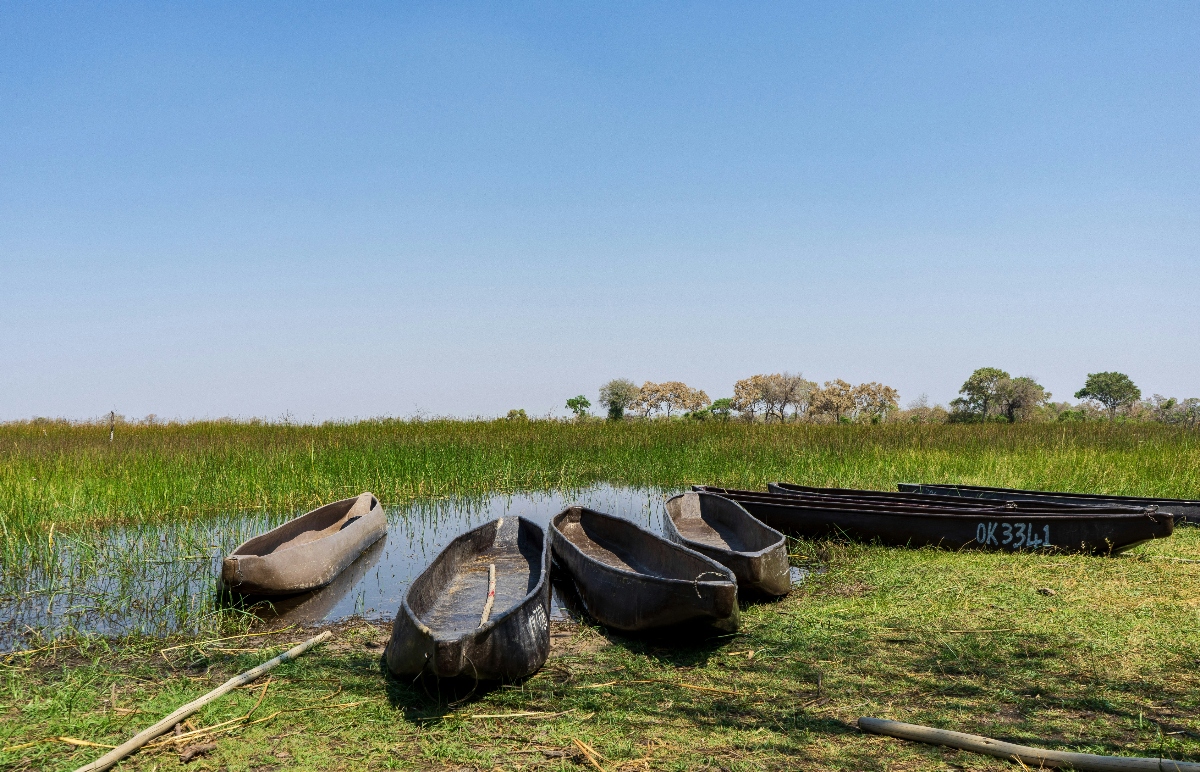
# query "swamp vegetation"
(1069, 652)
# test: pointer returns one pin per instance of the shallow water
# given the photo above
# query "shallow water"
(162, 579)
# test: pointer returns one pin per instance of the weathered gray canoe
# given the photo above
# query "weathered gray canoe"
(307, 552)
(724, 531)
(1186, 510)
(440, 627)
(307, 607)
(631, 579)
(908, 498)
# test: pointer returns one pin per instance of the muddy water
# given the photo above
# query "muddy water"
(162, 579)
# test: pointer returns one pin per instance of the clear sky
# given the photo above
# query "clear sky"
(336, 210)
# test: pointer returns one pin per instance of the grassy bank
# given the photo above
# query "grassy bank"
(1079, 653)
(1105, 664)
(72, 476)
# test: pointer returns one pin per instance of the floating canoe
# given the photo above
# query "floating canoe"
(1187, 510)
(724, 531)
(906, 498)
(312, 606)
(481, 609)
(307, 552)
(1094, 530)
(631, 579)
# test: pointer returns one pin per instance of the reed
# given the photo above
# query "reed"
(61, 476)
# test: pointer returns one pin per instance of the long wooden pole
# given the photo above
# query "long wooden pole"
(1084, 762)
(491, 596)
(109, 760)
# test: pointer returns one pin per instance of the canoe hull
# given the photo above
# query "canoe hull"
(513, 643)
(306, 552)
(691, 587)
(997, 529)
(1184, 510)
(761, 561)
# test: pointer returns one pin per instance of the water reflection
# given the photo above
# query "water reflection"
(160, 579)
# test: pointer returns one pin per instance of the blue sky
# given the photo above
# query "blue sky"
(330, 211)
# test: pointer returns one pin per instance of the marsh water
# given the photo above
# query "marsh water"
(161, 579)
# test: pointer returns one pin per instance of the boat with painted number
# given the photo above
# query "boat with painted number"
(481, 609)
(306, 552)
(1186, 510)
(631, 579)
(928, 499)
(724, 531)
(1100, 531)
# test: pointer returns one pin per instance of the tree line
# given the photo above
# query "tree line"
(989, 394)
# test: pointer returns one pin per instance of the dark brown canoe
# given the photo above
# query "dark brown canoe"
(1099, 531)
(724, 531)
(440, 627)
(1187, 510)
(928, 499)
(307, 552)
(631, 579)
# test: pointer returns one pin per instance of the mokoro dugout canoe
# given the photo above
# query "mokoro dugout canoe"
(723, 530)
(481, 609)
(921, 499)
(633, 580)
(1100, 531)
(1187, 510)
(308, 551)
(312, 606)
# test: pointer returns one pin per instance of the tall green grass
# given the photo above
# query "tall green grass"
(70, 476)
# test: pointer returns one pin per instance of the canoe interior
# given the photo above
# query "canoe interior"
(321, 522)
(699, 518)
(449, 598)
(624, 546)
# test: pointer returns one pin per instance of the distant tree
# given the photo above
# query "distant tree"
(920, 412)
(649, 399)
(617, 396)
(676, 395)
(874, 401)
(980, 394)
(721, 408)
(749, 396)
(517, 415)
(579, 406)
(1113, 390)
(1018, 399)
(836, 399)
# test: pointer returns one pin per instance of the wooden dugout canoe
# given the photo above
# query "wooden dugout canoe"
(633, 580)
(307, 552)
(724, 531)
(1186, 510)
(1100, 531)
(312, 606)
(922, 499)
(441, 629)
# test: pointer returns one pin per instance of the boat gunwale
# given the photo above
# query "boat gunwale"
(543, 564)
(743, 553)
(375, 504)
(1047, 494)
(724, 570)
(858, 505)
(927, 499)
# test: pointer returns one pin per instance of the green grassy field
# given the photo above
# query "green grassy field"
(1079, 653)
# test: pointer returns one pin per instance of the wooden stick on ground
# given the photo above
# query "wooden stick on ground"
(491, 597)
(1084, 762)
(108, 760)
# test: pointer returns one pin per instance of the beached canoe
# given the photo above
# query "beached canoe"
(724, 531)
(1187, 510)
(631, 579)
(1094, 530)
(307, 552)
(481, 609)
(906, 498)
